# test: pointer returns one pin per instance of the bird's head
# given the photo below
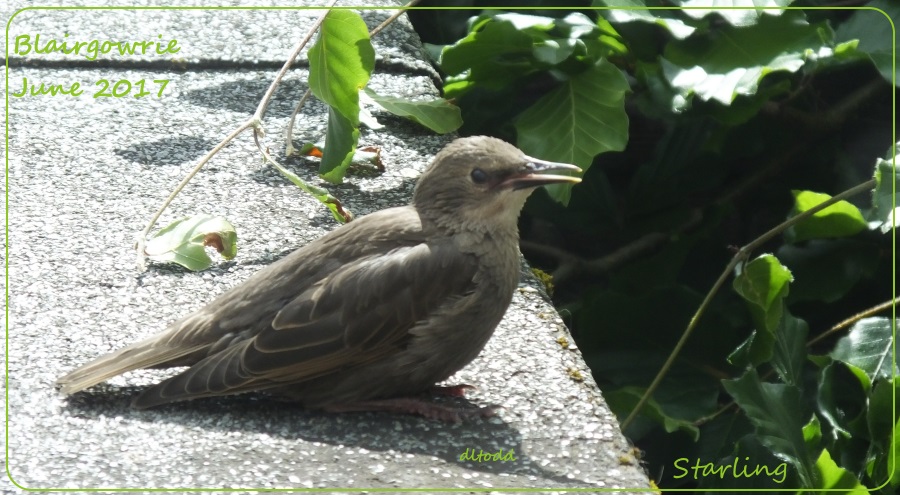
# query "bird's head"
(481, 183)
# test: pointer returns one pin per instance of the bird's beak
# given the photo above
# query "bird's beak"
(538, 172)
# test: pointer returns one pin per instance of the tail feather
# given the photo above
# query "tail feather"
(145, 354)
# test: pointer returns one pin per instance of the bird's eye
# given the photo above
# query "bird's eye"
(479, 176)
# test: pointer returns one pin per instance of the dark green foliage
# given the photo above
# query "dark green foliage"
(700, 131)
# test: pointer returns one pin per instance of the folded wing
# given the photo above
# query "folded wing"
(360, 313)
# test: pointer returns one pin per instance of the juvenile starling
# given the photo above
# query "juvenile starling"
(369, 315)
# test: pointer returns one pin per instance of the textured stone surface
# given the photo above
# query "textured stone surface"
(85, 175)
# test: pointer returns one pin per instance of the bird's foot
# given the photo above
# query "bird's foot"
(408, 405)
(452, 391)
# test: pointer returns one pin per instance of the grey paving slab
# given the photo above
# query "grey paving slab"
(86, 173)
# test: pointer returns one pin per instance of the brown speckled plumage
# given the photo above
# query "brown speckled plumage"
(383, 307)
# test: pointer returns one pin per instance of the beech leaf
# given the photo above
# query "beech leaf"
(185, 240)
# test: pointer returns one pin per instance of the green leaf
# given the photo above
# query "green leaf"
(868, 347)
(503, 48)
(812, 434)
(525, 22)
(185, 240)
(841, 398)
(722, 434)
(610, 37)
(873, 30)
(339, 213)
(439, 115)
(745, 107)
(841, 219)
(892, 459)
(887, 181)
(734, 61)
(750, 464)
(880, 415)
(577, 121)
(834, 477)
(341, 61)
(494, 53)
(740, 357)
(624, 399)
(636, 11)
(735, 12)
(340, 64)
(789, 350)
(577, 26)
(764, 283)
(775, 409)
(341, 137)
(552, 52)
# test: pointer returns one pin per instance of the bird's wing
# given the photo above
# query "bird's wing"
(247, 309)
(360, 313)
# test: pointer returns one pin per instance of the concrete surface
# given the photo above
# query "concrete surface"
(85, 175)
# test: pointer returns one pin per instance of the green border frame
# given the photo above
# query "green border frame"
(435, 489)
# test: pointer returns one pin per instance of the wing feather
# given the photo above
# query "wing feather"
(358, 314)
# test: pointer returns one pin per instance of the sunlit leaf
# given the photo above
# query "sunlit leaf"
(583, 117)
(439, 115)
(764, 283)
(875, 36)
(341, 137)
(185, 241)
(834, 477)
(738, 59)
(735, 12)
(841, 219)
(494, 53)
(340, 64)
(812, 433)
(868, 346)
(887, 182)
(338, 211)
(636, 11)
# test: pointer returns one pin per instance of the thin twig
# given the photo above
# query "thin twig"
(832, 118)
(853, 191)
(387, 22)
(141, 243)
(289, 130)
(840, 326)
(264, 103)
(572, 264)
(759, 174)
(253, 122)
(855, 318)
(340, 213)
(683, 340)
(742, 255)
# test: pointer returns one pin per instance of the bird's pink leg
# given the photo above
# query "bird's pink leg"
(452, 391)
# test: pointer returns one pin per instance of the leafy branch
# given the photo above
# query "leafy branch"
(254, 122)
(720, 101)
(742, 255)
(341, 62)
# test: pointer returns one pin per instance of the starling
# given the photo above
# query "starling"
(370, 315)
